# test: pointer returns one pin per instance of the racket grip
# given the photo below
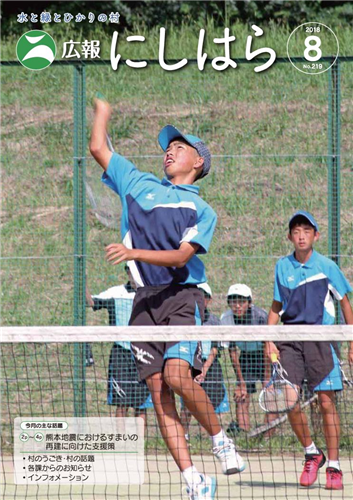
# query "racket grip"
(109, 143)
(274, 357)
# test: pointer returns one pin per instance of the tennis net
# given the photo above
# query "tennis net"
(55, 373)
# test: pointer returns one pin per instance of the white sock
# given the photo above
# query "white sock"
(220, 438)
(311, 450)
(334, 463)
(191, 476)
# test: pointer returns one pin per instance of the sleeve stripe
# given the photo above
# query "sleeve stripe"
(335, 292)
(189, 233)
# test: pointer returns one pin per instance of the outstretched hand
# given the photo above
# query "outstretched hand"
(117, 252)
(98, 143)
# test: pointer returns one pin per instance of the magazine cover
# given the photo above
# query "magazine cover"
(176, 250)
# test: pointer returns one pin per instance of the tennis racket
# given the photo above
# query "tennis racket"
(105, 204)
(348, 382)
(278, 421)
(109, 143)
(279, 395)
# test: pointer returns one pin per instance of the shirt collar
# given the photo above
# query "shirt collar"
(309, 264)
(185, 187)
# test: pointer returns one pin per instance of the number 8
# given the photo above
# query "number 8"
(312, 48)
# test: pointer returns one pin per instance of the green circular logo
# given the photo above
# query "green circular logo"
(36, 50)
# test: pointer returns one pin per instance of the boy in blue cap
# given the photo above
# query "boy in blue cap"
(164, 225)
(306, 284)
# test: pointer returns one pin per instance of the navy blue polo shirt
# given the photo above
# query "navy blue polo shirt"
(157, 215)
(307, 290)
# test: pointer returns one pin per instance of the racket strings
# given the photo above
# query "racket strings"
(280, 370)
(279, 396)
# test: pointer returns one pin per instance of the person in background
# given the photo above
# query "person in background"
(306, 284)
(247, 357)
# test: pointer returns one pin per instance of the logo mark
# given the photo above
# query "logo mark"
(140, 355)
(150, 196)
(119, 390)
(36, 50)
(291, 278)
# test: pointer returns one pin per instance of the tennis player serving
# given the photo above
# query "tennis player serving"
(306, 283)
(164, 225)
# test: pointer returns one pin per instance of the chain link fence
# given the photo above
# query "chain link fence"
(280, 142)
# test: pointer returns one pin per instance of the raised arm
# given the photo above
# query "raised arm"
(98, 144)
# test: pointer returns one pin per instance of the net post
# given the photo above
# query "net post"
(334, 166)
(334, 161)
(79, 235)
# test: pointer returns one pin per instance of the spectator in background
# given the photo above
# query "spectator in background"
(211, 377)
(124, 389)
(247, 357)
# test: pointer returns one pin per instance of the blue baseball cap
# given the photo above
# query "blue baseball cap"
(309, 217)
(169, 133)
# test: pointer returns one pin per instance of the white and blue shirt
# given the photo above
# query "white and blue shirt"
(307, 290)
(157, 215)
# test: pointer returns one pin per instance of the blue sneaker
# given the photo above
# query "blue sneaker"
(231, 461)
(206, 490)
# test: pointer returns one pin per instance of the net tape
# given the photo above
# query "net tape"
(224, 333)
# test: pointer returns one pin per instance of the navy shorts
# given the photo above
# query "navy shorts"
(167, 305)
(315, 361)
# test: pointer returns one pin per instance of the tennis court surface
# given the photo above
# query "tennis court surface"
(264, 478)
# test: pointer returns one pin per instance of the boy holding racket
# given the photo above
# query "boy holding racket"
(306, 283)
(164, 225)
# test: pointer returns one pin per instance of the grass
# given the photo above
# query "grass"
(268, 146)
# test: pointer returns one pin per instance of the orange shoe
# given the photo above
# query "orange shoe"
(312, 464)
(334, 479)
